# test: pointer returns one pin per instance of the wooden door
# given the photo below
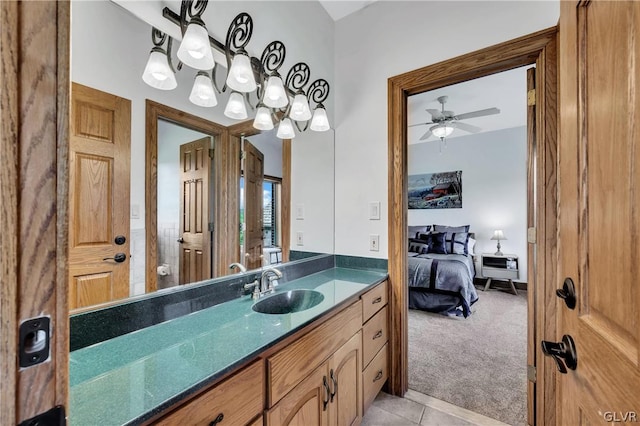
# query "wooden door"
(253, 178)
(346, 386)
(195, 237)
(598, 212)
(305, 404)
(99, 174)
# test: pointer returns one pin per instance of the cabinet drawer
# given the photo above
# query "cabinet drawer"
(500, 273)
(239, 399)
(373, 301)
(290, 365)
(374, 377)
(374, 336)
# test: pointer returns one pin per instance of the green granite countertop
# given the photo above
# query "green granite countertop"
(130, 378)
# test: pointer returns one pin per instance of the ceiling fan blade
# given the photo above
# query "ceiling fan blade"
(435, 114)
(420, 124)
(466, 127)
(426, 135)
(479, 113)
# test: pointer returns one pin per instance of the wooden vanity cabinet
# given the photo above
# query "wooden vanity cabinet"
(236, 401)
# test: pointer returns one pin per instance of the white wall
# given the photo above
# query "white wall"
(494, 187)
(381, 41)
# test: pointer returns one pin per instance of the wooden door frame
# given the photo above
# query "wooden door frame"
(539, 48)
(154, 112)
(34, 133)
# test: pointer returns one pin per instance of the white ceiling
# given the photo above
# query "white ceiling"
(338, 9)
(506, 91)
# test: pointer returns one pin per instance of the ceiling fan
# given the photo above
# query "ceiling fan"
(444, 122)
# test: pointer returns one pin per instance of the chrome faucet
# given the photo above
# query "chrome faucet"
(266, 284)
(240, 266)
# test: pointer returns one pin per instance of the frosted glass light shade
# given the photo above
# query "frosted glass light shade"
(285, 129)
(441, 130)
(202, 93)
(236, 108)
(263, 119)
(195, 49)
(498, 235)
(240, 75)
(319, 122)
(274, 93)
(300, 110)
(157, 73)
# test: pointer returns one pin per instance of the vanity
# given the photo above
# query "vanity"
(228, 364)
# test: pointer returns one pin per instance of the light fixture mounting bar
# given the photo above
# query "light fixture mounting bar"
(174, 18)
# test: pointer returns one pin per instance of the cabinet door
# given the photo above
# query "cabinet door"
(307, 404)
(346, 383)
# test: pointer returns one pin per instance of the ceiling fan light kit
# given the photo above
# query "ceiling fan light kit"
(245, 74)
(445, 122)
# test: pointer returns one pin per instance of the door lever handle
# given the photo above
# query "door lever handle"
(568, 293)
(118, 258)
(563, 353)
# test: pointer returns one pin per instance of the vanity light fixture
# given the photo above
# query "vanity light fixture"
(202, 93)
(276, 99)
(159, 71)
(236, 107)
(195, 49)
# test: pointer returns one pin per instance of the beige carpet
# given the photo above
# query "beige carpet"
(478, 363)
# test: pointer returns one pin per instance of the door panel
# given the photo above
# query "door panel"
(98, 196)
(254, 177)
(195, 245)
(346, 365)
(599, 230)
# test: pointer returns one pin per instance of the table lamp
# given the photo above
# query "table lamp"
(498, 235)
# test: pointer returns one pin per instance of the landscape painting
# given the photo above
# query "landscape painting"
(436, 190)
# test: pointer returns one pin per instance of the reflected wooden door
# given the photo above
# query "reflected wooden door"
(99, 174)
(253, 179)
(195, 236)
(599, 228)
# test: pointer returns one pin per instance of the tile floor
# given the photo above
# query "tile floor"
(419, 409)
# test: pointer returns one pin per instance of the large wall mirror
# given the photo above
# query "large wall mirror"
(204, 192)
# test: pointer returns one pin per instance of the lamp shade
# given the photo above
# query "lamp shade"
(274, 94)
(195, 49)
(319, 122)
(240, 75)
(263, 119)
(236, 107)
(158, 73)
(202, 93)
(498, 235)
(285, 129)
(441, 130)
(300, 110)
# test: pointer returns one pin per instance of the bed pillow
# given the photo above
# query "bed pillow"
(471, 245)
(458, 244)
(446, 228)
(415, 230)
(437, 243)
(418, 246)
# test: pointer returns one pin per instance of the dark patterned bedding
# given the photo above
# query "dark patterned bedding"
(442, 283)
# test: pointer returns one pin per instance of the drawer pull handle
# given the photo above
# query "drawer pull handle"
(376, 300)
(325, 402)
(217, 420)
(377, 335)
(378, 376)
(335, 384)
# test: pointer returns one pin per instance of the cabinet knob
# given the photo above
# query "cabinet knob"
(327, 391)
(335, 385)
(378, 376)
(376, 300)
(217, 420)
(377, 335)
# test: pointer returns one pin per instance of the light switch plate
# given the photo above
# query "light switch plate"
(374, 210)
(135, 211)
(374, 242)
(299, 239)
(300, 212)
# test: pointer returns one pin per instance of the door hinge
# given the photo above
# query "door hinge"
(210, 152)
(531, 97)
(531, 235)
(242, 155)
(53, 417)
(210, 226)
(531, 373)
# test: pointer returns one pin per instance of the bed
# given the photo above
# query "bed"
(441, 269)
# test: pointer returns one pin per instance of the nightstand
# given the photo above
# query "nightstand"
(504, 267)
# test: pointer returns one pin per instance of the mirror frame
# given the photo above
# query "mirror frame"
(226, 163)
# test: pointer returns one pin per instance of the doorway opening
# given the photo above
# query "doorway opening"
(467, 346)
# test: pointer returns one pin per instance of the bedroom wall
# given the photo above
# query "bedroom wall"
(407, 36)
(494, 187)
